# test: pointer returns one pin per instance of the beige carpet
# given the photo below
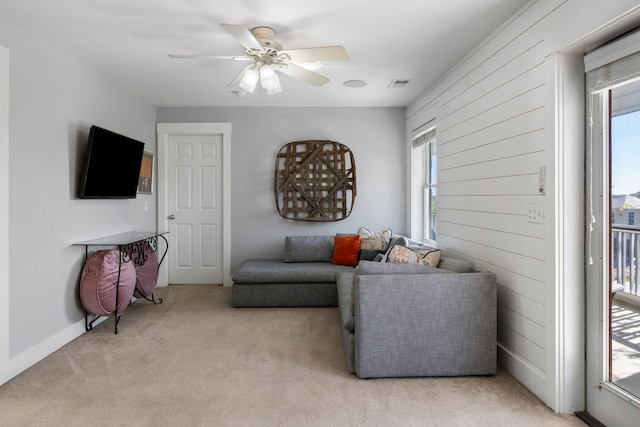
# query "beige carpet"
(195, 361)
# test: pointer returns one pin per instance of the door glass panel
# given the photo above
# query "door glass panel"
(624, 337)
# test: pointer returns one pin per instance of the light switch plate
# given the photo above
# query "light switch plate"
(542, 179)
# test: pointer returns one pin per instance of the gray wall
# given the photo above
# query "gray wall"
(53, 100)
(375, 135)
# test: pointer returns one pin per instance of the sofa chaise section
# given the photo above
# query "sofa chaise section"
(432, 323)
(274, 283)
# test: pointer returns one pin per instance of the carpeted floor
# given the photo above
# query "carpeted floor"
(195, 361)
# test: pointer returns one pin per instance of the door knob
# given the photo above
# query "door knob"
(172, 217)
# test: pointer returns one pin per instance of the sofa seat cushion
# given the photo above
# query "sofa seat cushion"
(277, 271)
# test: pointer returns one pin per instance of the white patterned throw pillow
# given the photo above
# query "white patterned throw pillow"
(430, 257)
(378, 241)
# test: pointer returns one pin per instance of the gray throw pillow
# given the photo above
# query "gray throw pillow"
(456, 265)
(369, 254)
(398, 240)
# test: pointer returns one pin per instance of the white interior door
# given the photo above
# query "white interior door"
(194, 188)
(613, 325)
(4, 214)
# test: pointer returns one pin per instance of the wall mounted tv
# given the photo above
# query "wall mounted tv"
(112, 166)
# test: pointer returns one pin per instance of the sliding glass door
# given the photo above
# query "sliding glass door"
(613, 242)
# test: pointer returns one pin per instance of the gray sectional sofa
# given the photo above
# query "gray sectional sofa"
(397, 320)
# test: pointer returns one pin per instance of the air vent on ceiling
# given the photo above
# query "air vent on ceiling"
(398, 83)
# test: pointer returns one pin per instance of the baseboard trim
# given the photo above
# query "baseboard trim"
(30, 357)
(529, 376)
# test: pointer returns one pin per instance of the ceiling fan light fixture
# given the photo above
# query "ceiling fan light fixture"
(249, 79)
(269, 57)
(268, 78)
(276, 88)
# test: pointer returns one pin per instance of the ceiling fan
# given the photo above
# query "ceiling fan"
(268, 57)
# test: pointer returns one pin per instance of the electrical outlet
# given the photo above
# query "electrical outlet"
(535, 213)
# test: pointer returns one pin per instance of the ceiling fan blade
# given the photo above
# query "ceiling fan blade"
(298, 72)
(243, 35)
(236, 58)
(318, 54)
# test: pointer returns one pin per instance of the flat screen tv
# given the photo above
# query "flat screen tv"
(112, 166)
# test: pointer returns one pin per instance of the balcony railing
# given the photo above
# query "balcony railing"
(625, 258)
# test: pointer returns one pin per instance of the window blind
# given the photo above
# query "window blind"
(424, 137)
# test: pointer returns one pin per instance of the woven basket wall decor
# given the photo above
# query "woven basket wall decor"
(315, 181)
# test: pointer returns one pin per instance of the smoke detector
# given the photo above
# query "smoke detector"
(355, 83)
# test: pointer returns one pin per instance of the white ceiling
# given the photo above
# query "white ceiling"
(129, 40)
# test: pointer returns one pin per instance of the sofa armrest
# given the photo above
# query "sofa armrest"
(426, 325)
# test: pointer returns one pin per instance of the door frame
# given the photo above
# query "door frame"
(564, 377)
(4, 215)
(165, 130)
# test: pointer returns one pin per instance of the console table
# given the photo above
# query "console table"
(133, 247)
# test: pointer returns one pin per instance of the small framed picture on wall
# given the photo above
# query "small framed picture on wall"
(145, 182)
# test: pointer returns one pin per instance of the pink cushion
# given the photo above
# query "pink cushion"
(147, 276)
(99, 279)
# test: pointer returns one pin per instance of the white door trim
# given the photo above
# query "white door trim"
(4, 215)
(165, 130)
(565, 212)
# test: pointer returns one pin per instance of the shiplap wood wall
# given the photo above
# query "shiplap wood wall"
(513, 105)
(493, 136)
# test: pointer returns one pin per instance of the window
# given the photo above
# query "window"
(424, 183)
(632, 218)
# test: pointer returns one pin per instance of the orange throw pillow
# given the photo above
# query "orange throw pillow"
(346, 250)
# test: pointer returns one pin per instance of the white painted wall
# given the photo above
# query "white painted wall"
(54, 99)
(375, 135)
(510, 106)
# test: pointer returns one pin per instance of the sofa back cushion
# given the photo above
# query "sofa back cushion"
(308, 248)
(371, 267)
